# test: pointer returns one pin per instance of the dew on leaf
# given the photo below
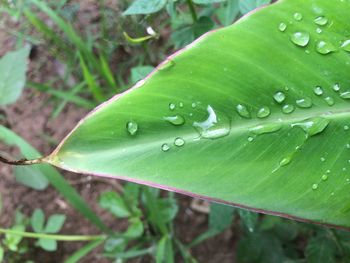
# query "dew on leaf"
(346, 45)
(329, 101)
(243, 111)
(345, 95)
(304, 102)
(179, 142)
(266, 128)
(215, 126)
(181, 105)
(250, 139)
(298, 16)
(322, 159)
(194, 105)
(132, 127)
(285, 161)
(318, 91)
(325, 48)
(175, 120)
(282, 27)
(318, 30)
(279, 97)
(312, 126)
(321, 20)
(348, 145)
(300, 38)
(324, 177)
(165, 147)
(288, 108)
(336, 87)
(314, 186)
(346, 127)
(172, 106)
(263, 112)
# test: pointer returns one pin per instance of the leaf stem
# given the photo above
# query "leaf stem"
(192, 10)
(54, 237)
(21, 161)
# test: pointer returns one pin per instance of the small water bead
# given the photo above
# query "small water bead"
(324, 177)
(279, 97)
(250, 139)
(194, 105)
(266, 128)
(132, 127)
(344, 169)
(345, 95)
(321, 20)
(288, 108)
(336, 87)
(165, 147)
(314, 186)
(304, 102)
(346, 45)
(325, 48)
(348, 145)
(312, 126)
(243, 111)
(318, 30)
(346, 127)
(282, 27)
(172, 106)
(179, 142)
(300, 38)
(181, 105)
(297, 16)
(323, 159)
(329, 101)
(328, 171)
(285, 161)
(175, 120)
(263, 112)
(318, 91)
(215, 126)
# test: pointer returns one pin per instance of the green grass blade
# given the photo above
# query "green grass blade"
(79, 254)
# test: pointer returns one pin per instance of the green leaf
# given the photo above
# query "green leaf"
(2, 254)
(135, 228)
(140, 72)
(144, 7)
(215, 119)
(320, 249)
(208, 2)
(249, 219)
(82, 252)
(54, 223)
(12, 240)
(31, 176)
(37, 220)
(13, 68)
(114, 203)
(164, 253)
(47, 244)
(228, 12)
(245, 6)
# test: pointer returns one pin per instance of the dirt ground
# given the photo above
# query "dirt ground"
(30, 118)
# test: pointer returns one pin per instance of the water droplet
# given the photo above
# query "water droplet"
(282, 27)
(215, 126)
(324, 47)
(166, 65)
(328, 171)
(336, 87)
(250, 139)
(300, 38)
(345, 95)
(181, 105)
(344, 169)
(321, 20)
(304, 102)
(298, 16)
(323, 159)
(243, 111)
(175, 120)
(346, 127)
(266, 128)
(165, 147)
(172, 106)
(285, 161)
(279, 97)
(314, 186)
(263, 112)
(329, 101)
(194, 105)
(132, 127)
(179, 142)
(324, 177)
(348, 145)
(318, 91)
(312, 126)
(318, 30)
(288, 108)
(346, 45)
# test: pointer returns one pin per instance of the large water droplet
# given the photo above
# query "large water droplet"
(215, 126)
(297, 16)
(263, 112)
(179, 142)
(329, 101)
(132, 127)
(312, 126)
(243, 111)
(336, 87)
(282, 27)
(165, 147)
(346, 45)
(266, 128)
(318, 91)
(321, 20)
(288, 108)
(304, 102)
(172, 106)
(325, 48)
(345, 95)
(175, 120)
(279, 97)
(300, 38)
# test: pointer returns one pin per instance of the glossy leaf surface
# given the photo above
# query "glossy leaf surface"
(255, 115)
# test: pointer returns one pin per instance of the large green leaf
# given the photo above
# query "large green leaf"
(254, 115)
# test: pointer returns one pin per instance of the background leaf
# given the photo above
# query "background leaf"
(144, 7)
(245, 6)
(31, 176)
